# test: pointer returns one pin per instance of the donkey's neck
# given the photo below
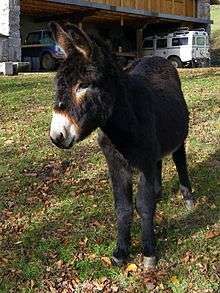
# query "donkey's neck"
(121, 126)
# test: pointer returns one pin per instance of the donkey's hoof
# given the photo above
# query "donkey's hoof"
(149, 262)
(189, 204)
(120, 257)
(118, 262)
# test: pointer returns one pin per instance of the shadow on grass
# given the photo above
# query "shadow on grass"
(205, 181)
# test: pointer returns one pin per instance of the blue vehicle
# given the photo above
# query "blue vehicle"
(39, 45)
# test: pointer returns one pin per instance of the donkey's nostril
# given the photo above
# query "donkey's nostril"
(61, 137)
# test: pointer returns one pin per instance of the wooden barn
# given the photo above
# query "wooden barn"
(134, 18)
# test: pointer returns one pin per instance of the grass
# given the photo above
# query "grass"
(57, 228)
(215, 16)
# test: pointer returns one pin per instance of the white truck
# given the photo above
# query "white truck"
(183, 47)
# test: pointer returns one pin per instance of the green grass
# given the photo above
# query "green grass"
(57, 226)
(215, 16)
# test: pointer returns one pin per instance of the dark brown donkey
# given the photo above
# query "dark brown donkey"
(142, 116)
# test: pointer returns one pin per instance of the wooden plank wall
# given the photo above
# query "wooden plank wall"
(178, 7)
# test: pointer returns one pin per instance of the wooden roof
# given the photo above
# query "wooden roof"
(97, 11)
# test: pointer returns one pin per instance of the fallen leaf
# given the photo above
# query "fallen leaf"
(174, 280)
(52, 289)
(32, 284)
(150, 286)
(114, 288)
(131, 268)
(8, 142)
(31, 174)
(212, 234)
(59, 264)
(83, 242)
(159, 217)
(106, 260)
(188, 257)
(161, 286)
(92, 256)
(75, 281)
(103, 279)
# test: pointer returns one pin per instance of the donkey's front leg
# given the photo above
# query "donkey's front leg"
(146, 205)
(121, 178)
(122, 190)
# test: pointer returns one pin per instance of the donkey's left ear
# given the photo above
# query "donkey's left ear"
(62, 38)
(81, 40)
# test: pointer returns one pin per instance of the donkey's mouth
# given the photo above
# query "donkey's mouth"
(62, 145)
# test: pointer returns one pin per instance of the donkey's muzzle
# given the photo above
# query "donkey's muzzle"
(62, 131)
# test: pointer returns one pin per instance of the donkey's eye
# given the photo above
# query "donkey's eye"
(83, 86)
(61, 105)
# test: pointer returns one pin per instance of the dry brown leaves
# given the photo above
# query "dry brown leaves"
(212, 234)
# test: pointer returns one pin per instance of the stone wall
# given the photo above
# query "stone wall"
(10, 27)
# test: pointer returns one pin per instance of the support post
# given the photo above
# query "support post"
(139, 42)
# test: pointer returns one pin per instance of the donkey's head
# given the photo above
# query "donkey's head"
(85, 85)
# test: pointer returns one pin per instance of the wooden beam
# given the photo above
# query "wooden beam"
(184, 9)
(194, 8)
(136, 4)
(173, 6)
(149, 5)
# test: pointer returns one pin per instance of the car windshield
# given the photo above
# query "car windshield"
(34, 38)
(200, 41)
(47, 38)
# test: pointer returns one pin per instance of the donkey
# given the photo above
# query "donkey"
(142, 116)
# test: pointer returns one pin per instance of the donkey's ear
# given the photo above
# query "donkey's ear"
(81, 39)
(62, 38)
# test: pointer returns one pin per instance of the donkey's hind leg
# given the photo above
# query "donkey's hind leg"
(179, 158)
(121, 177)
(158, 181)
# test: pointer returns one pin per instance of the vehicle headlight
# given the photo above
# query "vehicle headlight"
(59, 49)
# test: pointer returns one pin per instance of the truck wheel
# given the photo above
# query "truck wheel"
(48, 62)
(205, 63)
(177, 63)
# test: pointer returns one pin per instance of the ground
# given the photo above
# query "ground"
(215, 36)
(57, 228)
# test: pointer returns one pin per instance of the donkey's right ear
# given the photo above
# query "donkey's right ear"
(62, 38)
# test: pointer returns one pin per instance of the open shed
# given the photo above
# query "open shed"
(20, 16)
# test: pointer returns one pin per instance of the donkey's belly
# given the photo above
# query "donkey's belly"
(171, 126)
